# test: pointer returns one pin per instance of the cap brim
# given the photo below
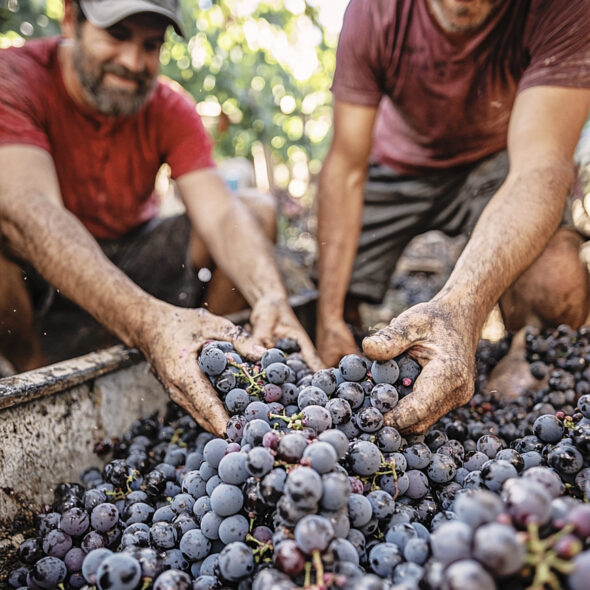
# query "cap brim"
(106, 13)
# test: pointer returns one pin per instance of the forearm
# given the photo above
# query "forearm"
(340, 203)
(61, 249)
(241, 249)
(512, 231)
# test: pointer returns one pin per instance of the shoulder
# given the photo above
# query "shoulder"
(377, 12)
(171, 98)
(33, 61)
(27, 77)
(563, 17)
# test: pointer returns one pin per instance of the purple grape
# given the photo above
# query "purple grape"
(48, 572)
(57, 543)
(235, 562)
(321, 456)
(497, 546)
(467, 573)
(195, 545)
(365, 458)
(385, 372)
(104, 517)
(384, 558)
(313, 533)
(173, 580)
(118, 572)
(226, 499)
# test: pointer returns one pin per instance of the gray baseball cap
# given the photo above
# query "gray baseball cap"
(105, 13)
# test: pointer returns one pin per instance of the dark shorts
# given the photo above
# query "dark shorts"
(399, 207)
(155, 256)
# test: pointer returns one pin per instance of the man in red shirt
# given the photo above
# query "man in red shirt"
(448, 113)
(85, 124)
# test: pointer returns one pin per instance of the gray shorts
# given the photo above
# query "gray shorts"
(399, 207)
(155, 256)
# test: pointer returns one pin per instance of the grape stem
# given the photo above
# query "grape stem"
(293, 422)
(253, 381)
(543, 558)
(318, 566)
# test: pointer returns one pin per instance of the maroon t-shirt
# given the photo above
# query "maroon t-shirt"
(106, 166)
(445, 103)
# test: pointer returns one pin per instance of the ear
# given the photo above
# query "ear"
(68, 23)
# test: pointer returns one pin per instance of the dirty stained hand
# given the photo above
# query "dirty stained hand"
(171, 341)
(334, 341)
(443, 342)
(273, 319)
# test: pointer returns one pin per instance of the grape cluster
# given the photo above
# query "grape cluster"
(311, 489)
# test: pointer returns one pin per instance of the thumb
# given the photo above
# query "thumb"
(247, 345)
(262, 329)
(387, 343)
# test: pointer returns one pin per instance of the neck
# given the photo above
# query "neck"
(70, 77)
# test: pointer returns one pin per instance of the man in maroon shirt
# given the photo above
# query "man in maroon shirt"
(84, 126)
(448, 113)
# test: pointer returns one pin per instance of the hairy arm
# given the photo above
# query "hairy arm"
(240, 248)
(512, 231)
(521, 218)
(35, 226)
(340, 203)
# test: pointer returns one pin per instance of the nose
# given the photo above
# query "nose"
(131, 56)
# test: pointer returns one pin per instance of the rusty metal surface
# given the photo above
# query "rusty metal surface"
(50, 438)
(48, 380)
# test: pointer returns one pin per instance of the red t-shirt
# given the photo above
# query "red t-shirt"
(106, 165)
(446, 103)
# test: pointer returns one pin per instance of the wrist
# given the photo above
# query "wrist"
(468, 313)
(143, 326)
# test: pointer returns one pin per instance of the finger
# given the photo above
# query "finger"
(331, 356)
(440, 388)
(242, 341)
(209, 406)
(387, 343)
(246, 345)
(262, 329)
(185, 402)
(311, 356)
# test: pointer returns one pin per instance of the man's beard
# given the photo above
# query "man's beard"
(109, 101)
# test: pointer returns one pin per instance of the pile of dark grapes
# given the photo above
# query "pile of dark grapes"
(310, 488)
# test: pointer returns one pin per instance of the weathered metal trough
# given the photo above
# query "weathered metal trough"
(50, 420)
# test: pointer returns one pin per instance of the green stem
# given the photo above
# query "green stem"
(307, 580)
(319, 567)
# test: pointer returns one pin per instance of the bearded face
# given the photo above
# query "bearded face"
(101, 65)
(463, 16)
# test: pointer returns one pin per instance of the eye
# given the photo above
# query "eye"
(119, 33)
(153, 45)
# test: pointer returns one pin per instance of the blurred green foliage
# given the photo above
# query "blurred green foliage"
(260, 70)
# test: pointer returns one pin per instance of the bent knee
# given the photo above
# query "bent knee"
(263, 207)
(553, 290)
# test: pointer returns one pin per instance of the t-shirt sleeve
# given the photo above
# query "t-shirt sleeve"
(21, 121)
(356, 78)
(559, 44)
(186, 143)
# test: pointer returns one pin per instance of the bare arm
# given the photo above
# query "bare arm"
(340, 203)
(35, 225)
(241, 250)
(513, 230)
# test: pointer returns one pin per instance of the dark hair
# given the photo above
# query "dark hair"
(80, 16)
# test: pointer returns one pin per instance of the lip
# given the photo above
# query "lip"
(120, 81)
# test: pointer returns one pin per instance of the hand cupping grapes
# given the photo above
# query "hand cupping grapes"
(311, 489)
